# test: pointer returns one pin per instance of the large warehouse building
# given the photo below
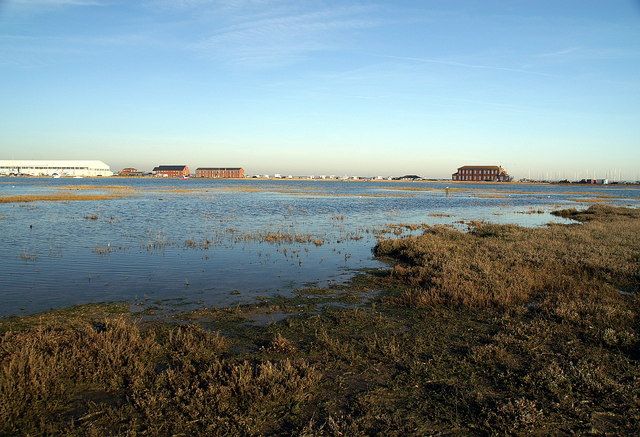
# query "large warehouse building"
(54, 168)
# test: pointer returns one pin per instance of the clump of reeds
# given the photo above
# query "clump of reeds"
(193, 244)
(104, 250)
(280, 237)
(532, 211)
(26, 256)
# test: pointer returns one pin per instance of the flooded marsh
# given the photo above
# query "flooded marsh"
(147, 240)
(476, 330)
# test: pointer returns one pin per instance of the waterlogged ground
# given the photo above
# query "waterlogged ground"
(183, 244)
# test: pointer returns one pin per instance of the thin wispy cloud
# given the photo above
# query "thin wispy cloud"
(283, 37)
(588, 53)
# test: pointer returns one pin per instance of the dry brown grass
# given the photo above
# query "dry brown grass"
(96, 188)
(65, 194)
(504, 265)
(103, 250)
(204, 244)
(280, 238)
(133, 381)
(59, 197)
(26, 256)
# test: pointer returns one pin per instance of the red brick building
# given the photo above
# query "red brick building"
(172, 171)
(476, 173)
(130, 171)
(220, 172)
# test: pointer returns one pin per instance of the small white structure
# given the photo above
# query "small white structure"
(54, 168)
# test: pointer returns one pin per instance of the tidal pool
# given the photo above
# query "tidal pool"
(175, 243)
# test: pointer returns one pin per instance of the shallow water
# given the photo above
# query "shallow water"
(150, 247)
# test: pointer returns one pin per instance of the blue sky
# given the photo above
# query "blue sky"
(545, 88)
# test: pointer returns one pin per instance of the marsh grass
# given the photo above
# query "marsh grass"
(26, 256)
(157, 381)
(530, 211)
(280, 237)
(503, 265)
(96, 188)
(204, 244)
(103, 250)
(400, 228)
(65, 194)
(500, 330)
(59, 197)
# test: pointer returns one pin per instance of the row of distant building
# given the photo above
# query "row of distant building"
(100, 169)
(73, 168)
(183, 171)
(488, 173)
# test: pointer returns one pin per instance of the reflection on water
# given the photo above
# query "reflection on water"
(200, 242)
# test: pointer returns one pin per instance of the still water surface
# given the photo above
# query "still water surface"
(177, 243)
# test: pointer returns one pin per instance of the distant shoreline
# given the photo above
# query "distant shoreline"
(298, 179)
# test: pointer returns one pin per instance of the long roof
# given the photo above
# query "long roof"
(218, 168)
(480, 167)
(170, 168)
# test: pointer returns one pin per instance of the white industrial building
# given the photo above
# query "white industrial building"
(54, 168)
